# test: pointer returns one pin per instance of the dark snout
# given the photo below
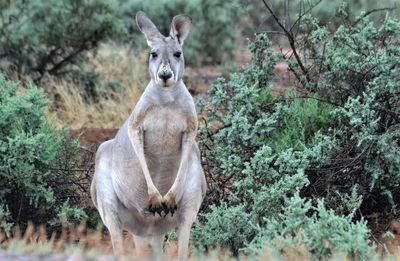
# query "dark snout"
(164, 75)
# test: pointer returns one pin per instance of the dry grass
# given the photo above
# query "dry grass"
(113, 64)
(80, 244)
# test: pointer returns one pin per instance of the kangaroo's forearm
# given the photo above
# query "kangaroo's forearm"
(187, 143)
(136, 137)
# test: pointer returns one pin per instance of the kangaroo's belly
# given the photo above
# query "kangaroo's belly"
(162, 138)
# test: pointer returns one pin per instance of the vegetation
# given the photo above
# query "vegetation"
(47, 37)
(305, 170)
(36, 163)
(120, 80)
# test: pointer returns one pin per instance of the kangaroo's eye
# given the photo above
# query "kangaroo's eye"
(177, 54)
(154, 54)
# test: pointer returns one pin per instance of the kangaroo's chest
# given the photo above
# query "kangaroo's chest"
(163, 129)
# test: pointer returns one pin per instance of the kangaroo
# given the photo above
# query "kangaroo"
(148, 180)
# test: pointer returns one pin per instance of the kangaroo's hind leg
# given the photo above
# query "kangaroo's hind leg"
(114, 227)
(105, 198)
(185, 227)
(194, 192)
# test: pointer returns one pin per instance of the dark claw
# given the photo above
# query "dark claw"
(152, 210)
(166, 211)
(159, 210)
(172, 211)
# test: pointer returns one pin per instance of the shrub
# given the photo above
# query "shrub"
(47, 37)
(359, 75)
(322, 233)
(300, 164)
(35, 160)
(247, 163)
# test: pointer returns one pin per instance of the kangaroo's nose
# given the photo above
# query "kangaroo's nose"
(164, 75)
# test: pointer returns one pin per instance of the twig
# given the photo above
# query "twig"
(291, 39)
(273, 32)
(373, 11)
(301, 15)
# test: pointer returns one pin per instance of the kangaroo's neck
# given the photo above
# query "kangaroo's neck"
(165, 95)
(167, 89)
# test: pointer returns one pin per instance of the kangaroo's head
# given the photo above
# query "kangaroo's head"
(166, 63)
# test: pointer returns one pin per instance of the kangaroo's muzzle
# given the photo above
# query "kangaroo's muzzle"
(164, 75)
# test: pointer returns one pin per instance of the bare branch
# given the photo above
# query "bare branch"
(301, 15)
(373, 11)
(291, 40)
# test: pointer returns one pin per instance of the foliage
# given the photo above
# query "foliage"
(323, 233)
(36, 159)
(305, 167)
(360, 76)
(66, 214)
(47, 37)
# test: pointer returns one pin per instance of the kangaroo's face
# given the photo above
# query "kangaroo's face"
(166, 62)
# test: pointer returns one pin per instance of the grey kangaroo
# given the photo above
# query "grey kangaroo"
(148, 179)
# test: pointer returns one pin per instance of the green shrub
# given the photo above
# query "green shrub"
(250, 157)
(359, 75)
(306, 170)
(35, 159)
(48, 37)
(322, 233)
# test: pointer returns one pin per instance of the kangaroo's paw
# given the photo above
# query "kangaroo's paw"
(155, 203)
(169, 204)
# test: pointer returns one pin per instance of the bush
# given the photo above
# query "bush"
(35, 160)
(359, 75)
(47, 37)
(307, 169)
(251, 158)
(322, 233)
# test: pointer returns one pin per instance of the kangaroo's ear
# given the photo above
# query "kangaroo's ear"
(180, 27)
(147, 27)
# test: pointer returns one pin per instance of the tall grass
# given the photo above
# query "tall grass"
(78, 243)
(114, 64)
